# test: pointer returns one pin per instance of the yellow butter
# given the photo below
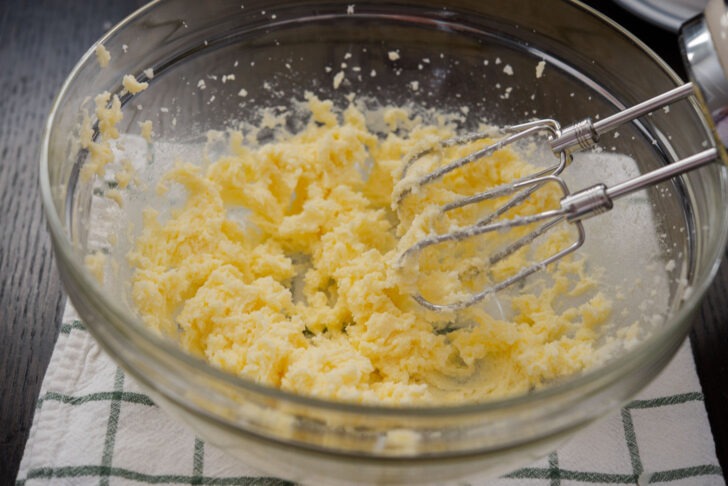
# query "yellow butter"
(306, 293)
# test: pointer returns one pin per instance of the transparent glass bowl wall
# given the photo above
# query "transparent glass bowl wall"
(286, 47)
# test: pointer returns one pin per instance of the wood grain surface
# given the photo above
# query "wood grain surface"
(40, 41)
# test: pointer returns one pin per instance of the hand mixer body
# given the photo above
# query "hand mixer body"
(704, 46)
(704, 42)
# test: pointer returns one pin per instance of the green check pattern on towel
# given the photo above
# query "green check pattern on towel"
(93, 425)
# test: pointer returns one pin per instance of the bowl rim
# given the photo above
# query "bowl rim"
(100, 298)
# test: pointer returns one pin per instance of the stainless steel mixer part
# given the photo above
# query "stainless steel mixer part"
(705, 50)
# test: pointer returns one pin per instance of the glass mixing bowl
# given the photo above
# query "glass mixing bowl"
(278, 50)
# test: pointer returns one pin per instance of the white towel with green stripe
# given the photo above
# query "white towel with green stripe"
(94, 425)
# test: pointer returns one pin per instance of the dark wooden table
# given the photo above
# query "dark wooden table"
(40, 41)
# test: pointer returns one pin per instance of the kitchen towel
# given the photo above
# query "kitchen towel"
(94, 425)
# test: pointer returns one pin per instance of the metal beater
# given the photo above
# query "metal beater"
(704, 42)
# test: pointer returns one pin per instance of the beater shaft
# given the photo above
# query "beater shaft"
(599, 198)
(584, 134)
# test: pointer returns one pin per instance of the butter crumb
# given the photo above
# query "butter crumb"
(102, 56)
(540, 68)
(146, 130)
(338, 79)
(86, 131)
(149, 73)
(123, 177)
(95, 263)
(393, 55)
(132, 85)
(161, 188)
(115, 195)
(109, 114)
